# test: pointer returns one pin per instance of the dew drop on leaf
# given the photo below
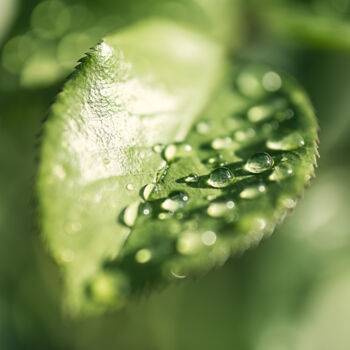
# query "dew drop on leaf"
(208, 238)
(147, 191)
(271, 81)
(221, 177)
(143, 256)
(170, 152)
(253, 191)
(288, 142)
(259, 163)
(281, 172)
(192, 178)
(176, 201)
(130, 214)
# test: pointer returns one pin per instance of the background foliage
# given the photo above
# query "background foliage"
(290, 293)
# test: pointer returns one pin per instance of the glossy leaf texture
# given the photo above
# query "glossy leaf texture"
(156, 166)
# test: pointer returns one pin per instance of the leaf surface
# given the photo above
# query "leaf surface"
(143, 180)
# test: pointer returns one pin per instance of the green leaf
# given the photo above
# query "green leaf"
(321, 23)
(138, 188)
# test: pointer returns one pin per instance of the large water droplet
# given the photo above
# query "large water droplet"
(259, 163)
(287, 142)
(130, 214)
(170, 152)
(253, 191)
(176, 201)
(147, 191)
(192, 178)
(220, 178)
(143, 256)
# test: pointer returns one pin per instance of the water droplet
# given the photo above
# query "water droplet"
(281, 172)
(158, 148)
(177, 275)
(220, 209)
(288, 203)
(109, 289)
(164, 216)
(244, 135)
(221, 143)
(170, 152)
(188, 243)
(203, 128)
(211, 197)
(130, 214)
(147, 191)
(176, 201)
(253, 191)
(192, 178)
(145, 209)
(249, 85)
(129, 187)
(286, 114)
(287, 142)
(220, 178)
(143, 256)
(208, 238)
(266, 110)
(271, 81)
(106, 161)
(259, 163)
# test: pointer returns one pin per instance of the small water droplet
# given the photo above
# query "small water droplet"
(192, 178)
(221, 143)
(249, 85)
(106, 161)
(244, 135)
(281, 172)
(208, 238)
(220, 178)
(211, 197)
(188, 243)
(259, 163)
(266, 110)
(287, 142)
(143, 256)
(253, 191)
(220, 209)
(130, 214)
(286, 114)
(271, 81)
(288, 203)
(145, 209)
(176, 201)
(158, 148)
(164, 216)
(203, 128)
(147, 191)
(170, 152)
(129, 187)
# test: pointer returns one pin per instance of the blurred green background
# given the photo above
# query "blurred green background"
(291, 292)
